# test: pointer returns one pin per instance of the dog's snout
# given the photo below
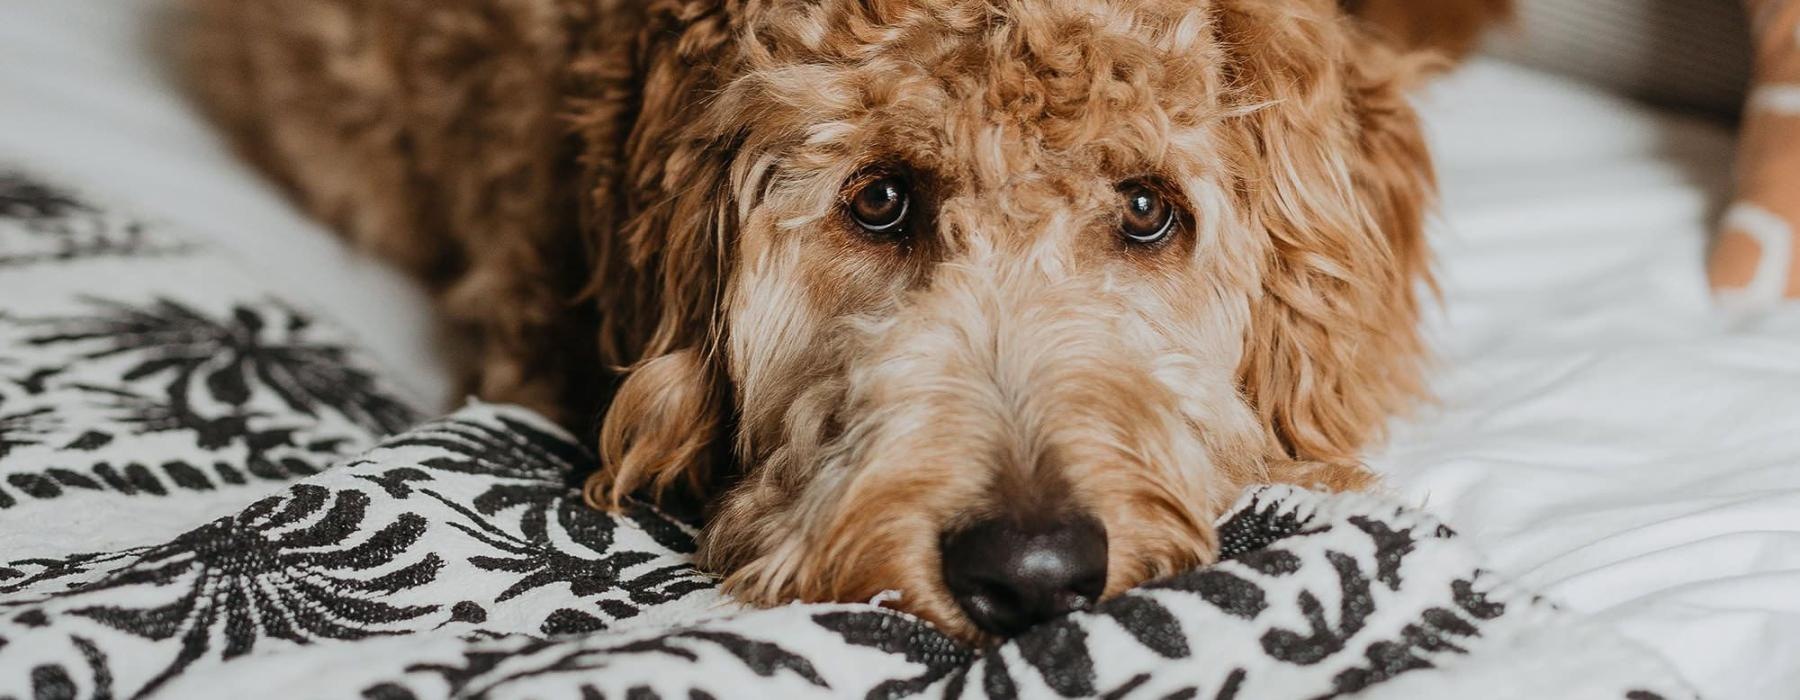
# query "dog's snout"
(1009, 577)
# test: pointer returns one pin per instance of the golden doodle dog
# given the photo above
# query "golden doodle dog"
(996, 303)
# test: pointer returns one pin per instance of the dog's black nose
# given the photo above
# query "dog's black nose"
(1009, 577)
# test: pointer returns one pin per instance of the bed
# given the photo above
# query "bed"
(1601, 431)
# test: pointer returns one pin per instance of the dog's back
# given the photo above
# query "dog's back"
(1450, 27)
(432, 132)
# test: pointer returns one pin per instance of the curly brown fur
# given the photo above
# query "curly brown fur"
(657, 188)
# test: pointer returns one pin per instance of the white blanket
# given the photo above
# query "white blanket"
(1602, 428)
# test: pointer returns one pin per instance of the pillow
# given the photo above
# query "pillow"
(1754, 260)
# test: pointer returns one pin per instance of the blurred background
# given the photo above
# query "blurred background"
(1683, 54)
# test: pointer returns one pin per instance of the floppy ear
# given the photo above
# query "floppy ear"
(1340, 181)
(660, 431)
(657, 210)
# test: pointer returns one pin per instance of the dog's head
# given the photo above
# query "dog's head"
(996, 303)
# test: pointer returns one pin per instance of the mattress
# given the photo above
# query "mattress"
(1605, 433)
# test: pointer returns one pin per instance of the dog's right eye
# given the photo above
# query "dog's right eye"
(1148, 218)
(880, 206)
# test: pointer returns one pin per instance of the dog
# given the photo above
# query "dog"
(994, 303)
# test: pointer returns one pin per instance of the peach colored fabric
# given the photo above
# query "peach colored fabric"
(1755, 259)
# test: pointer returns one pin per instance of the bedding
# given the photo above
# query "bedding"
(174, 530)
(1601, 428)
(1602, 433)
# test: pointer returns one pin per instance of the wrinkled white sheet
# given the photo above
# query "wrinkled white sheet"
(1602, 430)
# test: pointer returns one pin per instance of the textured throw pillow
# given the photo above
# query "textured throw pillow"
(1755, 260)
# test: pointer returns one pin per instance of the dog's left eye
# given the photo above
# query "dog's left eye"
(881, 205)
(1148, 218)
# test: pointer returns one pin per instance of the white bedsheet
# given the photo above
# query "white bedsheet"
(1605, 431)
(1602, 430)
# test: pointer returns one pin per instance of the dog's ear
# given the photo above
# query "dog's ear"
(658, 211)
(660, 433)
(1338, 177)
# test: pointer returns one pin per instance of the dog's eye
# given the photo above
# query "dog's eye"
(1148, 218)
(881, 205)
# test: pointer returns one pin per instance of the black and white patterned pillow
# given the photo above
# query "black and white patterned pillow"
(173, 529)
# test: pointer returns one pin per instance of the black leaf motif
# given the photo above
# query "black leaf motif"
(567, 622)
(34, 485)
(34, 382)
(1150, 623)
(57, 226)
(1124, 689)
(1220, 588)
(30, 201)
(512, 449)
(303, 583)
(1233, 683)
(996, 680)
(23, 574)
(89, 441)
(388, 691)
(667, 531)
(169, 338)
(527, 460)
(72, 479)
(541, 562)
(1260, 524)
(1391, 548)
(892, 633)
(1324, 639)
(468, 611)
(959, 679)
(52, 682)
(1058, 650)
(478, 675)
(1475, 602)
(396, 482)
(763, 658)
(1271, 561)
(536, 469)
(1434, 633)
(26, 428)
